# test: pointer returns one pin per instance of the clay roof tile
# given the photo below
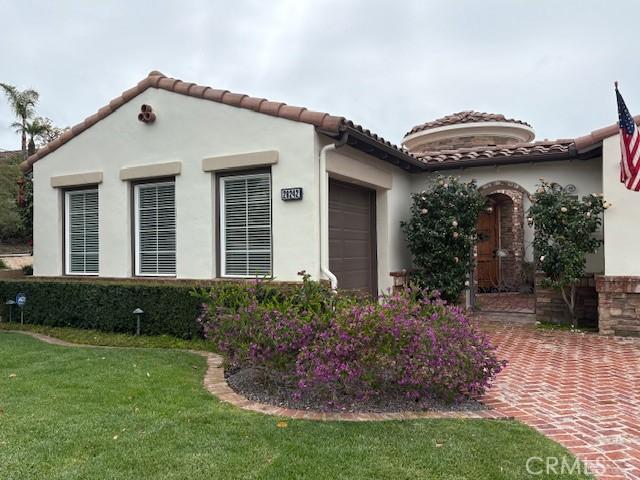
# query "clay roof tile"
(466, 116)
(325, 122)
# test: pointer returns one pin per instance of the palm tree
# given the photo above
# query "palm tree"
(22, 103)
(36, 129)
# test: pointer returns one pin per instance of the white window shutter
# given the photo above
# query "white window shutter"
(81, 237)
(246, 225)
(156, 229)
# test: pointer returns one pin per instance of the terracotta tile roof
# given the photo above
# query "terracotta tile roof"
(324, 122)
(597, 136)
(466, 116)
(556, 149)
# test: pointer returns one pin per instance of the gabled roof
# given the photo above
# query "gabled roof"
(325, 123)
(466, 116)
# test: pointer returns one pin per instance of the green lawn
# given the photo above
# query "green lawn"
(92, 413)
(96, 337)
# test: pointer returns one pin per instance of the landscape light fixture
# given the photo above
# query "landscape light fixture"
(138, 312)
(10, 303)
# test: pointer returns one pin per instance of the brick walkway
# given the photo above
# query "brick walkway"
(581, 390)
(506, 302)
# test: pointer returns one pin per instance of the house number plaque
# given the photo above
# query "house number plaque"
(290, 194)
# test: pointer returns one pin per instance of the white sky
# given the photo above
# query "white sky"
(385, 64)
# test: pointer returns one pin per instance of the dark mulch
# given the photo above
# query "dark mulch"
(250, 383)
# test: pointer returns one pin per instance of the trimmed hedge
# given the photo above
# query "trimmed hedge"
(106, 305)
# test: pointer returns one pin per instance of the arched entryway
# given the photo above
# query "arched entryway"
(500, 275)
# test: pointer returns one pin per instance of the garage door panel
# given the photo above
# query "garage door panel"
(352, 236)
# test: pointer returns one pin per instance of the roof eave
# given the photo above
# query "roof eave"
(365, 143)
(572, 154)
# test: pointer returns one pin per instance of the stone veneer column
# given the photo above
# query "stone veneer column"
(551, 308)
(619, 305)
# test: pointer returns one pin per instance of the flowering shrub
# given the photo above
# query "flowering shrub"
(341, 351)
(441, 233)
(564, 229)
(407, 345)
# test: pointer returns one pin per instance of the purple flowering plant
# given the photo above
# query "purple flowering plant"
(343, 350)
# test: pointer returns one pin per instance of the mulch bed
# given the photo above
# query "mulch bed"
(249, 383)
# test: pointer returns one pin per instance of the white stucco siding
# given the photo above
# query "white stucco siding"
(187, 130)
(586, 175)
(622, 220)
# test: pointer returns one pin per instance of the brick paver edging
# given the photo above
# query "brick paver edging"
(215, 384)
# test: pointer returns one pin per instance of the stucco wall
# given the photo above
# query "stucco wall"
(586, 175)
(186, 130)
(622, 220)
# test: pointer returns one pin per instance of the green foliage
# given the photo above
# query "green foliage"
(441, 233)
(3, 266)
(110, 339)
(107, 306)
(564, 229)
(11, 226)
(26, 210)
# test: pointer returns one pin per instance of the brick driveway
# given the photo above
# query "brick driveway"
(581, 390)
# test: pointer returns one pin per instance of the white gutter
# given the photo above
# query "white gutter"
(324, 211)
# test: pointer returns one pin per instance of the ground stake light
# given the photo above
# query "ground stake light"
(10, 304)
(138, 312)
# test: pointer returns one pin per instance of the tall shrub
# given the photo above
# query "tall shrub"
(564, 228)
(441, 233)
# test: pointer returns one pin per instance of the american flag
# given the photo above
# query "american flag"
(630, 146)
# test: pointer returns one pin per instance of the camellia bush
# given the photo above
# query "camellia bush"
(564, 233)
(341, 350)
(441, 233)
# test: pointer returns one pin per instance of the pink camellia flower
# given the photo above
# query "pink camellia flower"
(563, 209)
(424, 211)
(454, 223)
(456, 234)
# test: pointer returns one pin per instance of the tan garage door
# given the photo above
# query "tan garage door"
(352, 236)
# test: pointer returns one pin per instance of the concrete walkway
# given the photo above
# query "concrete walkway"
(581, 390)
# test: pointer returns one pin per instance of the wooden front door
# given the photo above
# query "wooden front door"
(488, 272)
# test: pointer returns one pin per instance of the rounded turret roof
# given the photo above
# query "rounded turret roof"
(466, 116)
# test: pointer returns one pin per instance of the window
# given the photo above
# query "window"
(155, 229)
(245, 230)
(81, 232)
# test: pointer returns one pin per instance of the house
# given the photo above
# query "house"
(173, 179)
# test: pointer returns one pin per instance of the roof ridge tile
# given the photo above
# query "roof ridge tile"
(329, 124)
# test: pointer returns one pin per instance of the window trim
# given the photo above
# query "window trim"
(66, 231)
(136, 222)
(220, 230)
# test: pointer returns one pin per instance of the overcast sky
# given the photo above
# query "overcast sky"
(386, 65)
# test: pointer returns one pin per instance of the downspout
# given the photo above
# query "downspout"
(324, 210)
